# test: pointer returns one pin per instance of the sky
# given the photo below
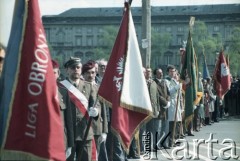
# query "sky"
(53, 7)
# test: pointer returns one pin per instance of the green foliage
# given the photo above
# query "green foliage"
(109, 35)
(159, 44)
(234, 51)
(203, 42)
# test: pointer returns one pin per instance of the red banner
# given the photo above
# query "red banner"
(34, 129)
(222, 81)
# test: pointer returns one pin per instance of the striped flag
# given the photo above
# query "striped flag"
(124, 86)
(30, 125)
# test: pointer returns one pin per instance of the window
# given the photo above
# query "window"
(168, 58)
(216, 28)
(180, 40)
(89, 40)
(79, 41)
(88, 55)
(180, 29)
(100, 31)
(100, 40)
(79, 30)
(168, 29)
(89, 30)
(78, 54)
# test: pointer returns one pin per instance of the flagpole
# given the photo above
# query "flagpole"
(86, 134)
(130, 2)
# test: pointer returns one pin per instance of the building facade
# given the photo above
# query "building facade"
(78, 31)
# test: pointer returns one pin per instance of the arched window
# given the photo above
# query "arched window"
(168, 58)
(89, 55)
(79, 54)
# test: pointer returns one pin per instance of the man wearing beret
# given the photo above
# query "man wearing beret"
(73, 69)
(99, 125)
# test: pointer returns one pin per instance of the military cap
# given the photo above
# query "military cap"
(89, 65)
(73, 61)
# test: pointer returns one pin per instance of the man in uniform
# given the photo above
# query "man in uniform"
(84, 147)
(99, 125)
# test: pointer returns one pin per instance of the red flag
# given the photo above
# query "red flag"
(222, 80)
(124, 86)
(33, 129)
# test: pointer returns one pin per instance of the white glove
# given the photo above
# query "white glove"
(93, 112)
(68, 152)
(201, 105)
(168, 105)
(194, 107)
(103, 137)
(155, 115)
(214, 97)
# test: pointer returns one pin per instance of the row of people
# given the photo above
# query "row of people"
(167, 98)
(168, 102)
(81, 78)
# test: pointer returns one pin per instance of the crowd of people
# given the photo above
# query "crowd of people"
(168, 105)
(167, 98)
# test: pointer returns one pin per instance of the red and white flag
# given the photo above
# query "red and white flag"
(30, 126)
(222, 81)
(124, 86)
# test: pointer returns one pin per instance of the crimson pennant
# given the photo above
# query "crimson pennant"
(31, 126)
(124, 86)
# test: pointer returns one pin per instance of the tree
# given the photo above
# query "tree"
(234, 51)
(202, 41)
(109, 34)
(160, 44)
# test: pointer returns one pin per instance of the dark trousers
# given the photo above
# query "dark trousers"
(133, 150)
(215, 114)
(190, 127)
(196, 120)
(101, 149)
(153, 126)
(86, 151)
(175, 136)
(102, 156)
(115, 151)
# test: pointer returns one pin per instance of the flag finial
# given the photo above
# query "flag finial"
(191, 22)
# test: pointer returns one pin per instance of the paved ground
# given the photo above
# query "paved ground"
(225, 137)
